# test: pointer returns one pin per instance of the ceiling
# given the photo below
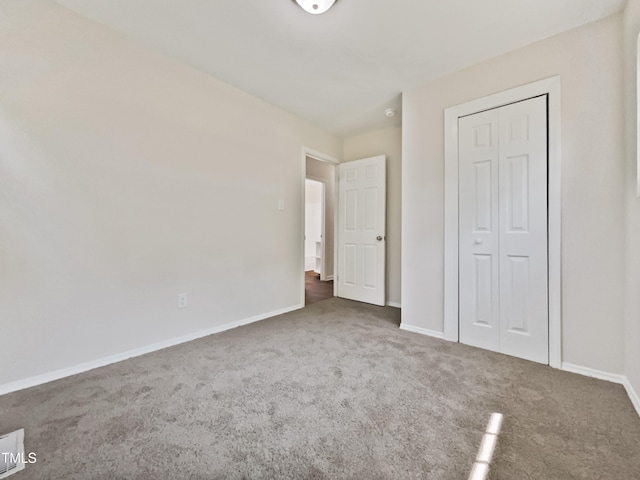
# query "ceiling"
(342, 69)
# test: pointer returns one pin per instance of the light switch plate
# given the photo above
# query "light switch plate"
(183, 300)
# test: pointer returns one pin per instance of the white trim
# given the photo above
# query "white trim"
(637, 107)
(101, 362)
(329, 277)
(336, 208)
(323, 157)
(593, 373)
(422, 331)
(394, 305)
(555, 220)
(633, 395)
(552, 88)
(609, 377)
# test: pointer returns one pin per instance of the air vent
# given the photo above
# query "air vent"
(11, 453)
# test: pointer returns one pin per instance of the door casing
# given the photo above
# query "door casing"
(551, 87)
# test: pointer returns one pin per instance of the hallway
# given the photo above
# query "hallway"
(316, 290)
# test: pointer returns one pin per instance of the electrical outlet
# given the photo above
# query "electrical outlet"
(183, 300)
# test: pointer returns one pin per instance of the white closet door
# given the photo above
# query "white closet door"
(479, 239)
(524, 312)
(503, 279)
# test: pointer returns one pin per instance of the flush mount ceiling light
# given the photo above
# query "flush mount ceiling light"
(315, 6)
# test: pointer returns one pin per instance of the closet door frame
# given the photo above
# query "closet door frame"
(550, 87)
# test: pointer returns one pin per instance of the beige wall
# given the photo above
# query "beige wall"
(327, 172)
(631, 30)
(387, 141)
(127, 178)
(589, 60)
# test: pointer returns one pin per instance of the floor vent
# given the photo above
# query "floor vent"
(11, 453)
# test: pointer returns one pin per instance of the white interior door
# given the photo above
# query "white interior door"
(361, 230)
(503, 279)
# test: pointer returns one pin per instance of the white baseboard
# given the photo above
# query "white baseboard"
(591, 372)
(422, 331)
(394, 305)
(633, 395)
(101, 362)
(328, 277)
(609, 377)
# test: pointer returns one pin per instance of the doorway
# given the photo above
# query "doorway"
(317, 287)
(550, 89)
(355, 254)
(319, 193)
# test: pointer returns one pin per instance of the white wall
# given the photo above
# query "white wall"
(327, 172)
(126, 178)
(589, 60)
(631, 31)
(387, 142)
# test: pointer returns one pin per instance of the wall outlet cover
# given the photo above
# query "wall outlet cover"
(183, 300)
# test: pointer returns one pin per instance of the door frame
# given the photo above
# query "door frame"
(552, 88)
(322, 157)
(323, 206)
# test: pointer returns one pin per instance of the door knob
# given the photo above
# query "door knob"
(379, 238)
(478, 241)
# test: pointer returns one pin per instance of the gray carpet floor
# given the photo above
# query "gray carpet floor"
(329, 392)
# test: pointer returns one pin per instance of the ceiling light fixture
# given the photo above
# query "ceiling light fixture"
(390, 112)
(315, 6)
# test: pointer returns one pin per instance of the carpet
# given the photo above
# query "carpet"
(332, 391)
